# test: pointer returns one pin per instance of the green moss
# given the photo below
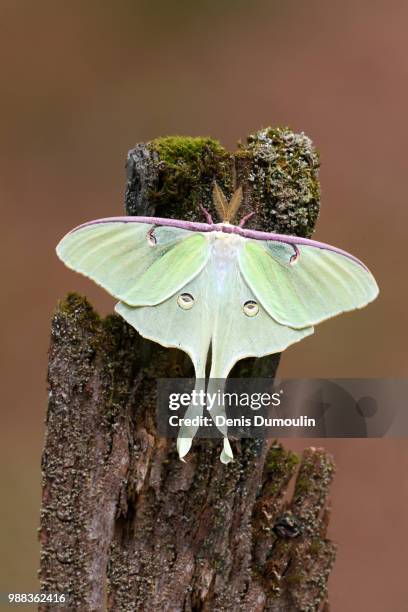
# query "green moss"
(314, 548)
(176, 150)
(75, 305)
(302, 486)
(316, 474)
(187, 168)
(218, 563)
(294, 579)
(279, 467)
(76, 320)
(280, 460)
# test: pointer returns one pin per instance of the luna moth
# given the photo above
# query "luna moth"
(192, 286)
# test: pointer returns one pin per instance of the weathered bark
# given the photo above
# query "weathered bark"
(125, 525)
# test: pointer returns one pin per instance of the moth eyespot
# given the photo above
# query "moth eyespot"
(151, 238)
(185, 301)
(250, 308)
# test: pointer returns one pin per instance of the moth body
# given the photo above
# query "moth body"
(224, 250)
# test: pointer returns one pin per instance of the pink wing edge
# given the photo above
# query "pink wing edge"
(226, 228)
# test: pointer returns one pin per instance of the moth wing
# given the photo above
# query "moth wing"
(304, 286)
(137, 263)
(237, 335)
(173, 326)
(187, 329)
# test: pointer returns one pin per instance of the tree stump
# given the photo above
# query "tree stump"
(125, 525)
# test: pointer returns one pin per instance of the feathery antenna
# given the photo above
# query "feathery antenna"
(226, 210)
(220, 201)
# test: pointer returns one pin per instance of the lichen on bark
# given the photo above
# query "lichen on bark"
(285, 180)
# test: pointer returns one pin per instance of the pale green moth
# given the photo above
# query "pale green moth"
(192, 285)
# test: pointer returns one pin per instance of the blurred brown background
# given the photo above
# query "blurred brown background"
(81, 82)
